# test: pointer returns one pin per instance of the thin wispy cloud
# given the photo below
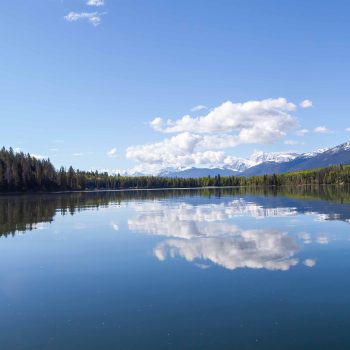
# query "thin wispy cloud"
(95, 2)
(198, 108)
(293, 142)
(112, 153)
(347, 129)
(303, 132)
(321, 130)
(93, 18)
(38, 156)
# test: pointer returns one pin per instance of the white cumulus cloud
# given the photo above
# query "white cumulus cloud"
(306, 104)
(198, 139)
(181, 150)
(270, 116)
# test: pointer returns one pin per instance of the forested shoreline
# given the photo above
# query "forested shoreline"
(27, 212)
(21, 172)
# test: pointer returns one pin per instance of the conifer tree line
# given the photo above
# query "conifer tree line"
(21, 172)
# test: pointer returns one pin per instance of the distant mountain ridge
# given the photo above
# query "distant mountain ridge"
(236, 166)
(199, 172)
(261, 163)
(319, 159)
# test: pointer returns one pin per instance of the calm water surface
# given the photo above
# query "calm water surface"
(205, 269)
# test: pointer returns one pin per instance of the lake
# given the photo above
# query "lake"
(176, 269)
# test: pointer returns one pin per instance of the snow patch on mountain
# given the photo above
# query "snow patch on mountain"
(343, 147)
(314, 153)
(258, 157)
(237, 164)
(278, 157)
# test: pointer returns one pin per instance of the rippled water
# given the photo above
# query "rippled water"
(200, 269)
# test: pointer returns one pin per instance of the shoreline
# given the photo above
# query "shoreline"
(164, 189)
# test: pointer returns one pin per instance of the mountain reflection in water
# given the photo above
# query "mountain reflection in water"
(199, 225)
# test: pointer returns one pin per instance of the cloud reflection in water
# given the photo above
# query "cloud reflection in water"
(203, 233)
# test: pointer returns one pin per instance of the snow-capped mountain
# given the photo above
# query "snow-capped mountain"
(343, 147)
(319, 159)
(241, 164)
(260, 163)
(236, 165)
(278, 157)
(314, 153)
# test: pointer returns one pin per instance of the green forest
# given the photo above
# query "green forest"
(21, 172)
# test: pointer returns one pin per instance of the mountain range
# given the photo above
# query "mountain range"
(261, 163)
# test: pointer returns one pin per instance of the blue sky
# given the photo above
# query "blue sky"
(78, 81)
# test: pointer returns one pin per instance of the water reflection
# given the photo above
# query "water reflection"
(221, 269)
(269, 249)
(26, 212)
(154, 217)
(21, 213)
(200, 226)
(203, 232)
